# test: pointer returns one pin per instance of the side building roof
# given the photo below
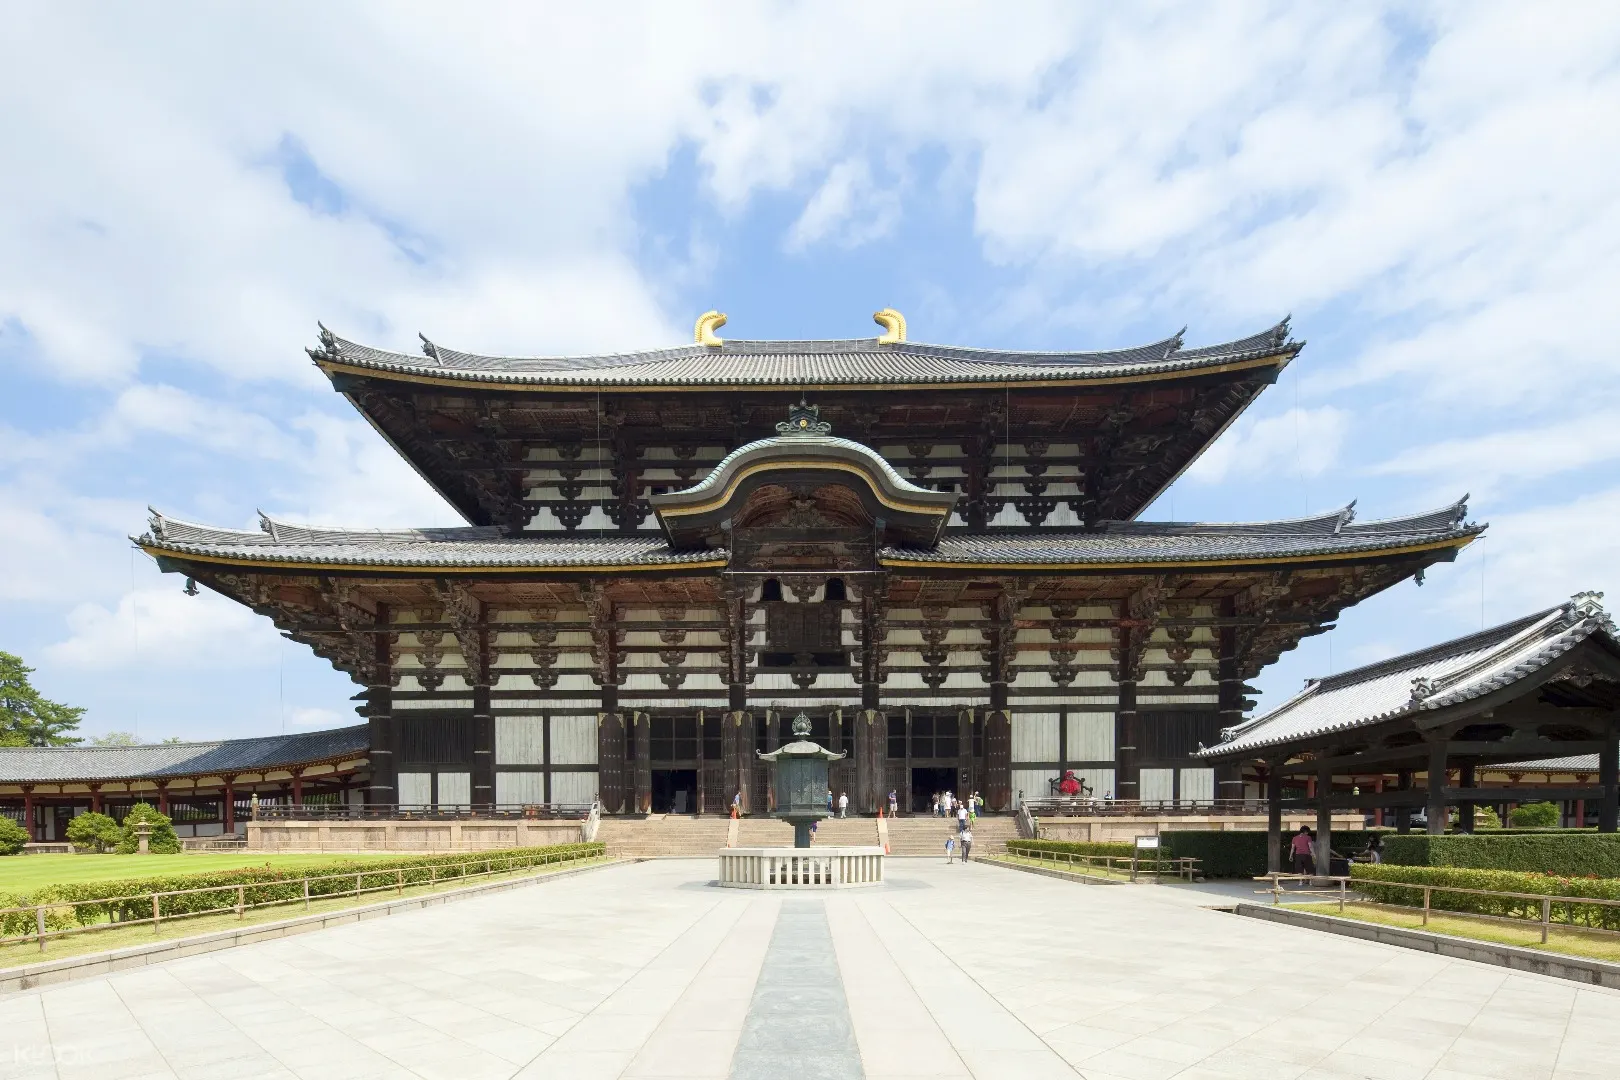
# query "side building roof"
(28, 764)
(801, 364)
(484, 549)
(1423, 681)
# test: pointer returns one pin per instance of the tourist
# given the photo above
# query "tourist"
(829, 802)
(1301, 849)
(961, 818)
(843, 804)
(894, 802)
(933, 807)
(736, 804)
(1375, 848)
(967, 843)
(950, 847)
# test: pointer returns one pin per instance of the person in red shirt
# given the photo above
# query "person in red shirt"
(1301, 849)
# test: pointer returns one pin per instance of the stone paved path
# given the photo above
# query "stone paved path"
(948, 971)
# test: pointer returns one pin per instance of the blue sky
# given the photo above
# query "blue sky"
(1428, 190)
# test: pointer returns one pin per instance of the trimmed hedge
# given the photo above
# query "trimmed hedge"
(1568, 853)
(131, 898)
(1243, 854)
(1367, 876)
(1074, 847)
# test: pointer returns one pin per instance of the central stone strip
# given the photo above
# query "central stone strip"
(798, 1022)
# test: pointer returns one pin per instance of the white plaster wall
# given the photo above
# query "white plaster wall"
(415, 788)
(455, 788)
(1157, 784)
(520, 740)
(573, 740)
(573, 787)
(1034, 737)
(1197, 785)
(1091, 737)
(520, 787)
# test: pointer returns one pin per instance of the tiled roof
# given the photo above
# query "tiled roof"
(792, 363)
(75, 763)
(1579, 763)
(1423, 681)
(466, 546)
(1148, 541)
(1113, 542)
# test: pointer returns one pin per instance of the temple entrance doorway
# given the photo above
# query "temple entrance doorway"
(928, 782)
(674, 791)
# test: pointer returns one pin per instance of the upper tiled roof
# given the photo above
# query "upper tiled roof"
(854, 361)
(1328, 535)
(75, 763)
(1423, 681)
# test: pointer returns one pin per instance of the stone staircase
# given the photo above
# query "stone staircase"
(924, 834)
(670, 836)
(664, 835)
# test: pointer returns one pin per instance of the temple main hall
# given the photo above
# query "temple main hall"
(935, 552)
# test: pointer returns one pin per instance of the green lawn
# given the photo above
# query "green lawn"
(1572, 940)
(24, 873)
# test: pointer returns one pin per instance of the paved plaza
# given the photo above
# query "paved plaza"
(648, 970)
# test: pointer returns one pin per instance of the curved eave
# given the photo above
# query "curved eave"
(1353, 555)
(206, 774)
(184, 555)
(502, 381)
(667, 505)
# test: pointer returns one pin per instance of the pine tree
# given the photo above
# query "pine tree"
(26, 717)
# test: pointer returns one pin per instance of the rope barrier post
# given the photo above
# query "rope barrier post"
(1343, 884)
(1546, 918)
(1426, 891)
(39, 925)
(433, 876)
(357, 886)
(155, 914)
(306, 892)
(399, 886)
(241, 901)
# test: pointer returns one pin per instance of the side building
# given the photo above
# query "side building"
(932, 551)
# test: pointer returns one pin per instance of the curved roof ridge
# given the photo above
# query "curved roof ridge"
(252, 754)
(877, 459)
(1497, 635)
(908, 360)
(1450, 516)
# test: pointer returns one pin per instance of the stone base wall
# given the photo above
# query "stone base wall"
(1125, 829)
(315, 836)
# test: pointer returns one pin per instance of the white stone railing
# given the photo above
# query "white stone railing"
(801, 868)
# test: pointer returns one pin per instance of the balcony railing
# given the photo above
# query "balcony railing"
(1089, 806)
(424, 812)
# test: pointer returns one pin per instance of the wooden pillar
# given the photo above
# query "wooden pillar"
(1403, 814)
(1324, 821)
(1579, 819)
(610, 743)
(1435, 806)
(95, 798)
(1274, 863)
(1609, 777)
(740, 762)
(1229, 774)
(383, 789)
(871, 759)
(298, 787)
(700, 807)
(641, 732)
(28, 813)
(1465, 811)
(1127, 773)
(1378, 814)
(483, 748)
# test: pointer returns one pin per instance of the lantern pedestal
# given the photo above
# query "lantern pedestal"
(801, 868)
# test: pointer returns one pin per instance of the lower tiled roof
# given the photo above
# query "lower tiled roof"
(1423, 681)
(52, 764)
(1578, 763)
(1124, 542)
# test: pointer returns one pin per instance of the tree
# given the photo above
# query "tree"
(115, 738)
(93, 830)
(12, 836)
(162, 840)
(28, 716)
(1536, 815)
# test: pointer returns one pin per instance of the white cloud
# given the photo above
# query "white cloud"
(163, 628)
(1486, 462)
(316, 717)
(848, 208)
(1297, 443)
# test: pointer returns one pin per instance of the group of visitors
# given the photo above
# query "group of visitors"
(1303, 850)
(966, 812)
(842, 805)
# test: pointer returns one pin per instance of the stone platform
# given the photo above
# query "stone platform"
(406, 834)
(801, 868)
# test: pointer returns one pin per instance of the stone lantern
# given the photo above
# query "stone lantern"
(801, 780)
